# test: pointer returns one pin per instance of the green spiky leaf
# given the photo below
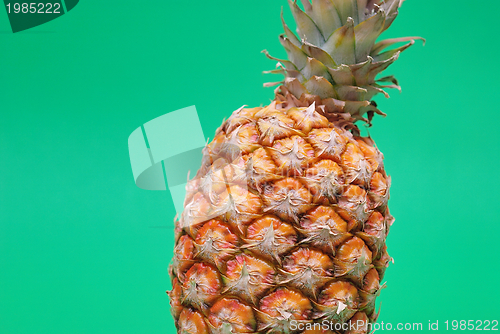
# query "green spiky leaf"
(326, 16)
(341, 44)
(306, 27)
(335, 55)
(366, 33)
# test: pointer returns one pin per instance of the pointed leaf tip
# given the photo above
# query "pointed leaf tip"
(306, 27)
(289, 33)
(366, 33)
(341, 44)
(326, 16)
(380, 46)
(307, 6)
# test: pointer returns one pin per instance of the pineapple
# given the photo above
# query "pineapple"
(285, 223)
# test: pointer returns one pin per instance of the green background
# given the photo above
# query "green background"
(83, 250)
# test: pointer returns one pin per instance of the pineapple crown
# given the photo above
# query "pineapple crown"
(335, 57)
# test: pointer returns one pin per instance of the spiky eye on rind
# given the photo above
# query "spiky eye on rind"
(248, 277)
(260, 169)
(239, 117)
(201, 285)
(245, 137)
(358, 324)
(216, 178)
(339, 291)
(370, 291)
(287, 199)
(239, 206)
(215, 242)
(329, 143)
(292, 155)
(183, 255)
(337, 302)
(198, 210)
(232, 315)
(270, 237)
(353, 206)
(382, 262)
(325, 181)
(274, 125)
(324, 228)
(191, 322)
(175, 298)
(307, 118)
(378, 192)
(353, 260)
(356, 167)
(280, 308)
(371, 153)
(307, 270)
(374, 233)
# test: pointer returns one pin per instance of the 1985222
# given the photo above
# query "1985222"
(470, 325)
(34, 8)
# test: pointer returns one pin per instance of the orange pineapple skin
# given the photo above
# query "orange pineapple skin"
(285, 223)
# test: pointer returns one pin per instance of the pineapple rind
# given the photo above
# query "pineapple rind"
(272, 239)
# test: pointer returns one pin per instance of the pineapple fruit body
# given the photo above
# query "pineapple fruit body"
(285, 224)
